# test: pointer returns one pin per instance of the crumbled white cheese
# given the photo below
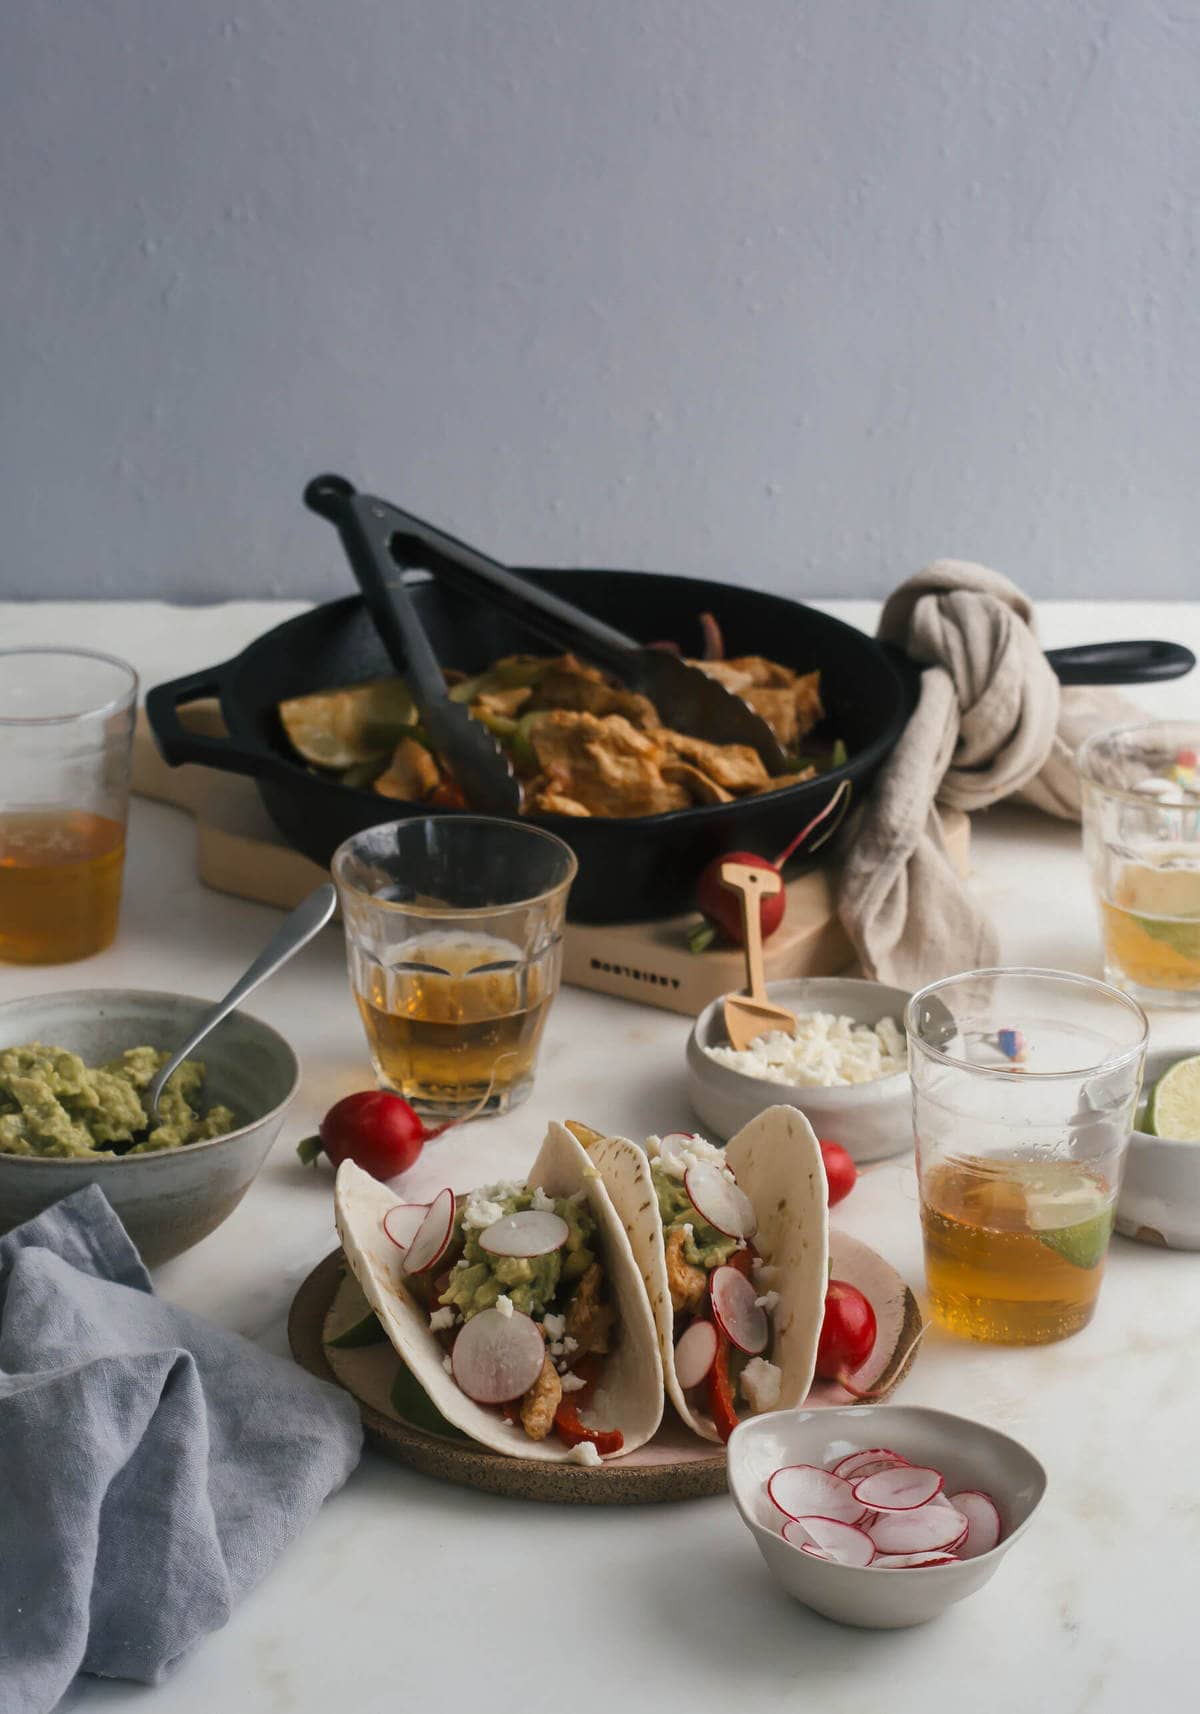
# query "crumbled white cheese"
(543, 1203)
(481, 1210)
(584, 1453)
(447, 1365)
(554, 1326)
(675, 1157)
(760, 1382)
(826, 1052)
(767, 1301)
(572, 1383)
(765, 1273)
(504, 1304)
(570, 1344)
(442, 1319)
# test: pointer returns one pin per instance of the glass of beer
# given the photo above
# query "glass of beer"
(1141, 837)
(1024, 1086)
(66, 730)
(454, 941)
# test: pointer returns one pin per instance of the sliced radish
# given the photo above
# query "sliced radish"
(719, 1201)
(734, 1303)
(695, 1353)
(805, 1490)
(829, 1538)
(909, 1561)
(401, 1222)
(532, 1233)
(498, 1357)
(901, 1489)
(856, 1465)
(431, 1240)
(927, 1529)
(983, 1522)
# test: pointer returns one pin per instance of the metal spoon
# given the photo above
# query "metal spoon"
(295, 931)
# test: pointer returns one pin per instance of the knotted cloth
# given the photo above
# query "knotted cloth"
(991, 722)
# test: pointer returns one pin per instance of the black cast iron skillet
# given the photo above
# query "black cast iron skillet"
(629, 870)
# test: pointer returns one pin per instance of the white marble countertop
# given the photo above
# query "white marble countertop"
(407, 1594)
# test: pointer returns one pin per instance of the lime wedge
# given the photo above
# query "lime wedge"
(413, 1405)
(1174, 1106)
(1084, 1244)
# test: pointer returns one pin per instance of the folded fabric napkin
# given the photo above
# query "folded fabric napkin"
(991, 722)
(152, 1466)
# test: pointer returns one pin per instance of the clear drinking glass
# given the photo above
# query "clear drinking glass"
(66, 729)
(1141, 836)
(454, 939)
(1024, 1085)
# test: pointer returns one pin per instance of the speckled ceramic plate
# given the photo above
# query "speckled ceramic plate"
(674, 1466)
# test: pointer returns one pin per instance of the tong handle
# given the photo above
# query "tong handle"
(413, 542)
(366, 527)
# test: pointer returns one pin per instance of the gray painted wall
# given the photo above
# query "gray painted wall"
(801, 294)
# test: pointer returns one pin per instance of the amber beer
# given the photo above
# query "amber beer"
(60, 885)
(457, 1021)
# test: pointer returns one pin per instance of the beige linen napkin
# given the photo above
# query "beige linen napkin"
(991, 722)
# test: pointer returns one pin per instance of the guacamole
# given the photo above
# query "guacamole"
(52, 1104)
(704, 1247)
(531, 1283)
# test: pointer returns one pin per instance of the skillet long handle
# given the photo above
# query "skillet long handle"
(414, 542)
(1143, 662)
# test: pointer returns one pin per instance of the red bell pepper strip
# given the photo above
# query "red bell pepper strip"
(720, 1390)
(566, 1418)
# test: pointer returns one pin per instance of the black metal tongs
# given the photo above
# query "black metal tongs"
(367, 528)
(688, 699)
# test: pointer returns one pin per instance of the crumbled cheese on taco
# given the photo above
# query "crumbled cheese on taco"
(504, 1304)
(554, 1325)
(539, 1200)
(572, 1383)
(760, 1382)
(441, 1319)
(584, 1453)
(767, 1301)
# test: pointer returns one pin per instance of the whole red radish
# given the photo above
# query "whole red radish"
(847, 1335)
(840, 1171)
(721, 907)
(375, 1129)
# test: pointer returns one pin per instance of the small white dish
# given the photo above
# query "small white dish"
(869, 1120)
(1159, 1201)
(969, 1454)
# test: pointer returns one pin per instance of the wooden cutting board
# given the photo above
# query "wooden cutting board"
(239, 851)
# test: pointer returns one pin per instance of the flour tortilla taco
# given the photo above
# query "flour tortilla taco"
(733, 1247)
(518, 1308)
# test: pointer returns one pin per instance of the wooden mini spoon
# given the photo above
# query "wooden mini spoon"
(748, 1016)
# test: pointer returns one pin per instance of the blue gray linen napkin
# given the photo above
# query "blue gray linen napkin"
(152, 1466)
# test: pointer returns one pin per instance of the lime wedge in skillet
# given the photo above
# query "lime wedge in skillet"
(1174, 1107)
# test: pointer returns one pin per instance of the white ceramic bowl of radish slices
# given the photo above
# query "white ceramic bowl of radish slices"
(881, 1515)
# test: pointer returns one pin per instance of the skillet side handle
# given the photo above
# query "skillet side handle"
(1144, 662)
(178, 743)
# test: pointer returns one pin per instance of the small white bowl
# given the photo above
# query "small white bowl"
(869, 1120)
(969, 1455)
(1160, 1190)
